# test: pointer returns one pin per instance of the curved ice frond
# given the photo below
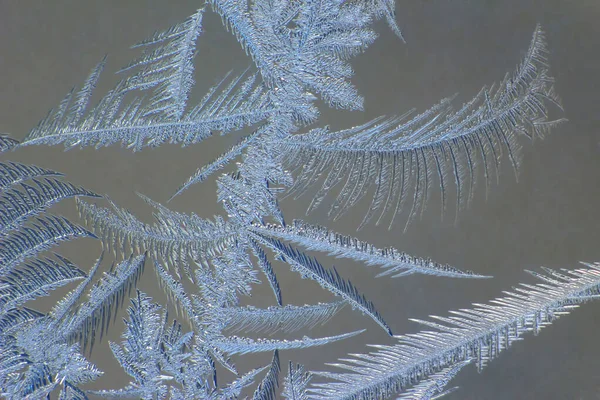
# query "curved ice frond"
(174, 237)
(18, 205)
(166, 67)
(392, 261)
(267, 389)
(392, 155)
(31, 240)
(295, 383)
(35, 279)
(94, 316)
(480, 333)
(12, 173)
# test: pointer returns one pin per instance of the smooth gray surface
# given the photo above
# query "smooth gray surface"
(549, 217)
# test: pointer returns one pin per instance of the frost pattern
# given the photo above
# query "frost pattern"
(301, 52)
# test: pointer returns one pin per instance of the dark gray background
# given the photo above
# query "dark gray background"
(549, 217)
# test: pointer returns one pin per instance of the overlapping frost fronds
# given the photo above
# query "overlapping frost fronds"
(396, 154)
(174, 237)
(331, 280)
(18, 204)
(165, 67)
(45, 233)
(480, 334)
(12, 173)
(302, 47)
(94, 316)
(35, 355)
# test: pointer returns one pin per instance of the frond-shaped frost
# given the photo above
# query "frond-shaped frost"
(265, 265)
(274, 319)
(170, 67)
(300, 47)
(175, 291)
(267, 389)
(167, 69)
(396, 154)
(104, 299)
(12, 319)
(328, 279)
(34, 239)
(69, 301)
(150, 353)
(480, 334)
(395, 262)
(295, 383)
(12, 173)
(174, 237)
(18, 205)
(248, 200)
(433, 387)
(35, 279)
(7, 143)
(239, 345)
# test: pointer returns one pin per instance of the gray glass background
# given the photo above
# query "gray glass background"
(549, 217)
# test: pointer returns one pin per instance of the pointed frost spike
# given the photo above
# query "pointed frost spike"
(203, 173)
(267, 389)
(391, 261)
(328, 279)
(241, 345)
(480, 333)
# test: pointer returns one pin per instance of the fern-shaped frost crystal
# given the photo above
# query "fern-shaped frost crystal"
(480, 333)
(398, 153)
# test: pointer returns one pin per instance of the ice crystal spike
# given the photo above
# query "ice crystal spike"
(239, 345)
(392, 261)
(7, 143)
(166, 68)
(480, 334)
